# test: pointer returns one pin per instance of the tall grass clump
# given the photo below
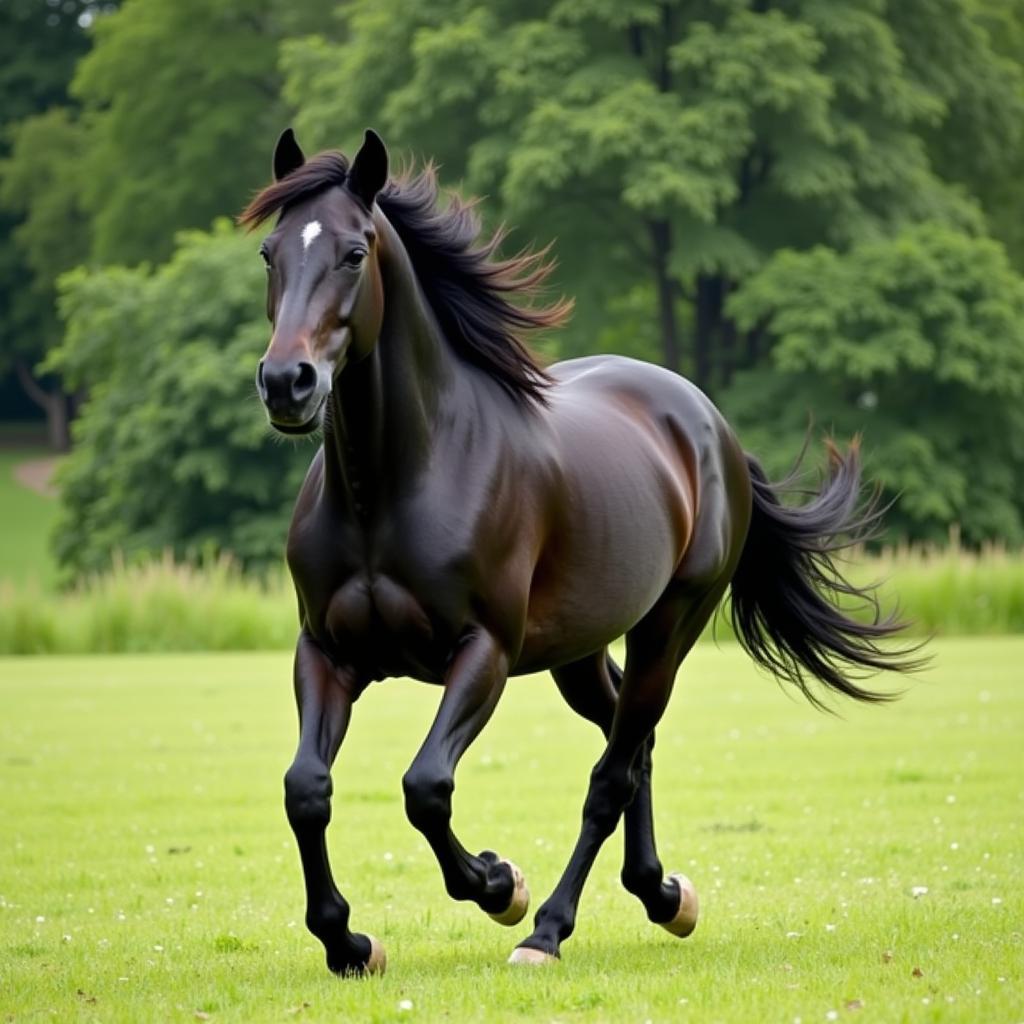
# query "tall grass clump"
(952, 591)
(165, 605)
(161, 605)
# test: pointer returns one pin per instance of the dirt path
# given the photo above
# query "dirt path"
(37, 475)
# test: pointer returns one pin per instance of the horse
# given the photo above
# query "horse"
(472, 515)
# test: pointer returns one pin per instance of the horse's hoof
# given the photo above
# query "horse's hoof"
(375, 963)
(533, 957)
(516, 910)
(378, 959)
(686, 916)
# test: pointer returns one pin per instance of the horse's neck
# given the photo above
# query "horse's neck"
(385, 408)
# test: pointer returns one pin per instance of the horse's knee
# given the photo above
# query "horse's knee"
(307, 795)
(428, 798)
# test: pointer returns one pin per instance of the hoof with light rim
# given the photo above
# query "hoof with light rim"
(516, 910)
(534, 957)
(378, 959)
(686, 916)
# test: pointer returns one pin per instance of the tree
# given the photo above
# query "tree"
(992, 172)
(39, 45)
(166, 127)
(40, 181)
(179, 98)
(919, 341)
(171, 448)
(674, 146)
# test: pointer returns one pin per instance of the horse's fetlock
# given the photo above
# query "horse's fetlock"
(326, 920)
(641, 879)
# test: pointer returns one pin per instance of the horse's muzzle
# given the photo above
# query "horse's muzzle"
(291, 394)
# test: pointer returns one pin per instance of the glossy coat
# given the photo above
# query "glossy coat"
(471, 516)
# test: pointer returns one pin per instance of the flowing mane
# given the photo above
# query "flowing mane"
(472, 291)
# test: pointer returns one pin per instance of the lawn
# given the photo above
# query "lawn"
(27, 519)
(868, 868)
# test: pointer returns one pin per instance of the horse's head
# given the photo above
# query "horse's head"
(324, 293)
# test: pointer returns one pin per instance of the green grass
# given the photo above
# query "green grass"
(147, 873)
(27, 520)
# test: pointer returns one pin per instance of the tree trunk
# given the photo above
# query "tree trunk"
(53, 403)
(753, 345)
(708, 329)
(654, 46)
(729, 355)
(661, 248)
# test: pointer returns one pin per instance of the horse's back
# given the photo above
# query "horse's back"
(650, 392)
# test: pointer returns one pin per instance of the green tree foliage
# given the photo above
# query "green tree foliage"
(788, 200)
(677, 144)
(775, 197)
(43, 182)
(996, 178)
(172, 450)
(167, 125)
(919, 342)
(180, 98)
(39, 46)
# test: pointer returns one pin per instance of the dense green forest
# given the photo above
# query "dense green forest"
(813, 209)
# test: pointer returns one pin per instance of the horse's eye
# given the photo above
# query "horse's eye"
(354, 258)
(265, 256)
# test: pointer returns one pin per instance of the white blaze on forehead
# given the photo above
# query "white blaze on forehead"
(309, 233)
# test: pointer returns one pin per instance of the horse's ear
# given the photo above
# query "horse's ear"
(287, 155)
(369, 170)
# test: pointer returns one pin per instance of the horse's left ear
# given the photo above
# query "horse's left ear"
(369, 170)
(288, 155)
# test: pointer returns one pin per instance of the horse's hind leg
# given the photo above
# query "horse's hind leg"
(590, 687)
(324, 696)
(655, 648)
(672, 901)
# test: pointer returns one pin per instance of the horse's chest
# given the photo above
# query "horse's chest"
(382, 627)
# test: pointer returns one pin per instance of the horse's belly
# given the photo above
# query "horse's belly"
(627, 519)
(599, 592)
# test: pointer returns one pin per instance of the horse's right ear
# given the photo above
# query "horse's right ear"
(288, 156)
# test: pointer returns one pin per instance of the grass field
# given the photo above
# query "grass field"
(868, 868)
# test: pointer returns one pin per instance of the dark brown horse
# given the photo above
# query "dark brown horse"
(472, 516)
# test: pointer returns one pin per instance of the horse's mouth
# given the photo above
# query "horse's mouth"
(306, 427)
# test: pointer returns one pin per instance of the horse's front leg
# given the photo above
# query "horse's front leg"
(473, 684)
(325, 696)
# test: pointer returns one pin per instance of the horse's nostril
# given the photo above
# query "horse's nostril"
(305, 381)
(261, 384)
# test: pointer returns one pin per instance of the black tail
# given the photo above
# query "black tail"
(787, 591)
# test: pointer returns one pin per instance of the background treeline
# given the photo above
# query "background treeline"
(814, 209)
